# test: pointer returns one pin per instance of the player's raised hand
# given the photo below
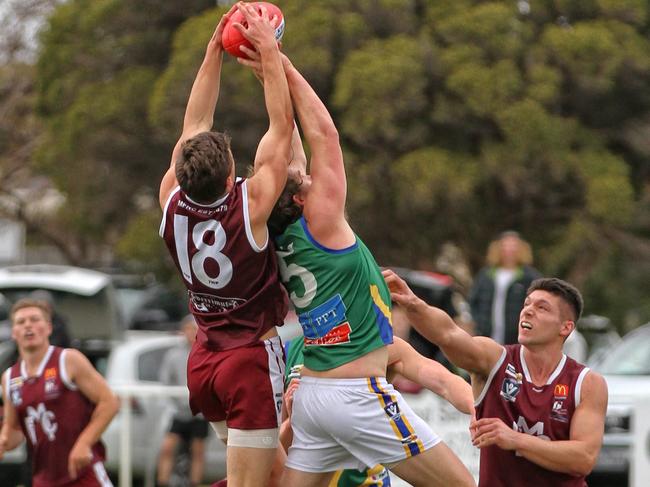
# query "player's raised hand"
(253, 61)
(399, 290)
(260, 28)
(215, 40)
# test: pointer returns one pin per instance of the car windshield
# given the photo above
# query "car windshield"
(630, 357)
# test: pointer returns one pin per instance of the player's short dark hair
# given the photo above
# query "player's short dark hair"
(567, 292)
(286, 210)
(204, 165)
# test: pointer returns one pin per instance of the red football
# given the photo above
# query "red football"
(231, 39)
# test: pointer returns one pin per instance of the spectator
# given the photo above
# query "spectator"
(498, 293)
(193, 430)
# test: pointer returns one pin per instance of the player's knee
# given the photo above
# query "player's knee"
(262, 438)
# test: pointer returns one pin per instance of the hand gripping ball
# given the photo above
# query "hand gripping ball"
(232, 39)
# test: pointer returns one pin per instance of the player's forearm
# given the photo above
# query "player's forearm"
(298, 160)
(276, 91)
(315, 119)
(571, 457)
(203, 98)
(105, 410)
(10, 438)
(458, 393)
(434, 324)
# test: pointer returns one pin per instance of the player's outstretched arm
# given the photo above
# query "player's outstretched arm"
(11, 435)
(273, 152)
(201, 104)
(92, 385)
(327, 169)
(576, 456)
(475, 354)
(406, 361)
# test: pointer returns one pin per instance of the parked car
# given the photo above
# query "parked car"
(136, 363)
(626, 368)
(84, 298)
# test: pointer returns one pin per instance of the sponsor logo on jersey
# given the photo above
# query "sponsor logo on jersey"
(51, 388)
(336, 336)
(559, 412)
(561, 391)
(50, 373)
(207, 303)
(16, 398)
(510, 388)
(202, 211)
(319, 321)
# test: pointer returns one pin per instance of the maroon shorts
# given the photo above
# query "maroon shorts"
(243, 386)
(92, 476)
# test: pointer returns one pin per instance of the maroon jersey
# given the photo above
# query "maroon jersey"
(234, 290)
(52, 415)
(545, 411)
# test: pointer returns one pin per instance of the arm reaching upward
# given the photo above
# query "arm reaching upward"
(327, 195)
(201, 104)
(405, 360)
(474, 354)
(273, 152)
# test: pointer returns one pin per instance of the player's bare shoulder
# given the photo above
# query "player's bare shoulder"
(594, 390)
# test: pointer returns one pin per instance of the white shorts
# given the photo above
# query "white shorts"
(353, 423)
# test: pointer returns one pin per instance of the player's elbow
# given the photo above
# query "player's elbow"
(112, 404)
(326, 133)
(584, 464)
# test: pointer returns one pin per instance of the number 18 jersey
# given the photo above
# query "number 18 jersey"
(233, 284)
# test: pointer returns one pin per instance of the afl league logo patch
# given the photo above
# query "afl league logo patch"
(510, 388)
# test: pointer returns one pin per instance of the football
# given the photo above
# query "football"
(232, 39)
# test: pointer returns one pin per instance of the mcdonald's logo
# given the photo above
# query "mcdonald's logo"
(561, 390)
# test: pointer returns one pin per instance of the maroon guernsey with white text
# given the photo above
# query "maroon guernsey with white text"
(52, 414)
(544, 411)
(234, 291)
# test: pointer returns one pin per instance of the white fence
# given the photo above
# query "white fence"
(640, 453)
(127, 393)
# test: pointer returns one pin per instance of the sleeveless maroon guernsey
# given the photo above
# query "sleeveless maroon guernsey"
(543, 411)
(52, 415)
(234, 291)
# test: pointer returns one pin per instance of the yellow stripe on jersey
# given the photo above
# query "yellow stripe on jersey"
(379, 302)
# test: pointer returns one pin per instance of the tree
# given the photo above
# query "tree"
(458, 120)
